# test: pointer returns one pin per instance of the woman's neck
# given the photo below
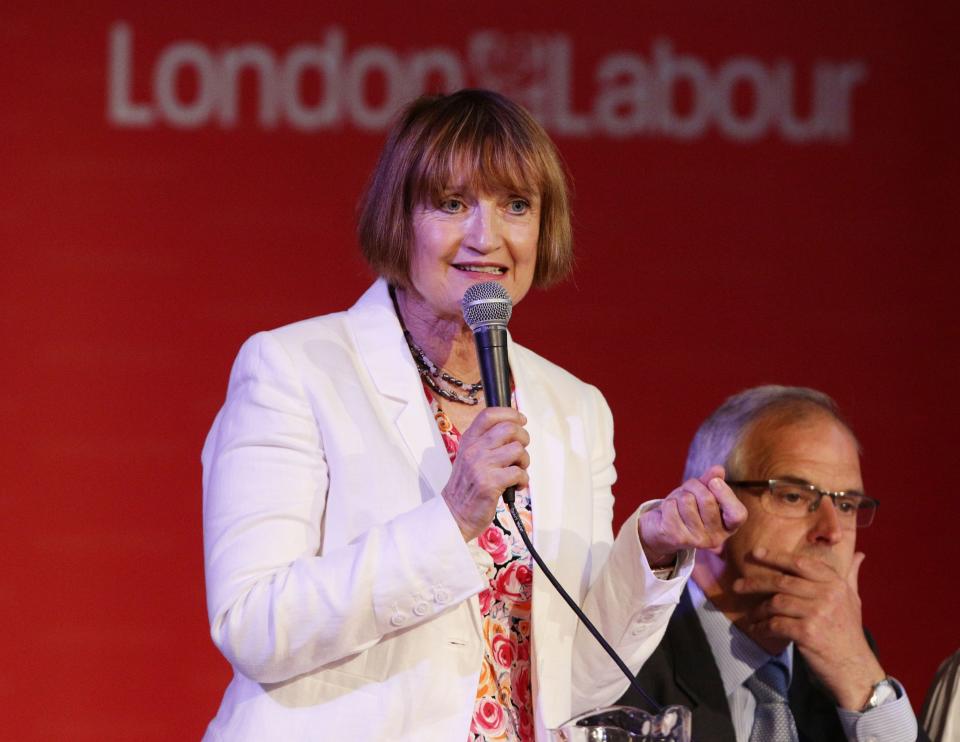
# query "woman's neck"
(447, 341)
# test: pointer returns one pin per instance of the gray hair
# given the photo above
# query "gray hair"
(720, 438)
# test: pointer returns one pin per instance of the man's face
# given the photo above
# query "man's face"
(817, 450)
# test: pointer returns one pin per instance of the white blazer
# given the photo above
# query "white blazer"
(338, 584)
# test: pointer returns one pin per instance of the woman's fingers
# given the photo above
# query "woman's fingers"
(492, 417)
(700, 514)
(492, 457)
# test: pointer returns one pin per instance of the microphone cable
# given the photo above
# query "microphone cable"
(634, 683)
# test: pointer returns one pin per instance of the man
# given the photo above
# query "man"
(776, 605)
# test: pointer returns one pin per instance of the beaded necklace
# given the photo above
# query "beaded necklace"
(445, 384)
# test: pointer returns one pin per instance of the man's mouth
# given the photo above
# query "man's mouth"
(495, 270)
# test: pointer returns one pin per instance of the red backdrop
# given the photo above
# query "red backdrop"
(762, 195)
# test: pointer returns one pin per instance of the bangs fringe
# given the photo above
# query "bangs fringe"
(479, 153)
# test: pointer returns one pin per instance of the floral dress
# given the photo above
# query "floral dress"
(503, 709)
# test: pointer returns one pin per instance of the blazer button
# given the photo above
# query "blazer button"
(421, 609)
(441, 595)
(398, 619)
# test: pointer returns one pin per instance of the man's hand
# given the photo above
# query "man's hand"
(700, 514)
(818, 609)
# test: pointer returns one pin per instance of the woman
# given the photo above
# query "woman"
(361, 577)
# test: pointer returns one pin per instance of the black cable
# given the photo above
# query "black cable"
(576, 609)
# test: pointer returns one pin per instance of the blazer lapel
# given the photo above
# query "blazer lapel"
(384, 353)
(547, 455)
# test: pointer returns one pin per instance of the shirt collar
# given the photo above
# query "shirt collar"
(737, 656)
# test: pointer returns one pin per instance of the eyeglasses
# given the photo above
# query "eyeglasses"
(799, 499)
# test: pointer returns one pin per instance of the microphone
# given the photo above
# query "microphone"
(486, 310)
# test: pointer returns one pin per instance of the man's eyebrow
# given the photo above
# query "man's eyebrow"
(792, 479)
(800, 480)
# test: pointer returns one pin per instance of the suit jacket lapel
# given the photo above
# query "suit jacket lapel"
(814, 709)
(384, 353)
(696, 673)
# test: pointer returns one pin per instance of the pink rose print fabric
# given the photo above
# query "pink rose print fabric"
(503, 711)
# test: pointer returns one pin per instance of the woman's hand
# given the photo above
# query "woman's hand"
(492, 456)
(700, 514)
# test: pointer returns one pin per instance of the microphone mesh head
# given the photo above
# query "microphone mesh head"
(486, 303)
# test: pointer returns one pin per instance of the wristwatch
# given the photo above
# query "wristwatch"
(885, 690)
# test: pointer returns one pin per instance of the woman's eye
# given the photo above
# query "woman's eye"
(518, 206)
(451, 205)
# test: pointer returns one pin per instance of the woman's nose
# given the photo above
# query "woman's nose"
(483, 228)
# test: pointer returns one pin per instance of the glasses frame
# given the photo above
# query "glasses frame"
(872, 504)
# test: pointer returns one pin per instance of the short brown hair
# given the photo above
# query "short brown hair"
(497, 143)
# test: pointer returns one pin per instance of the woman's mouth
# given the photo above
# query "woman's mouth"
(493, 270)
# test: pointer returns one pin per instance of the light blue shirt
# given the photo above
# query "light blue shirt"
(738, 657)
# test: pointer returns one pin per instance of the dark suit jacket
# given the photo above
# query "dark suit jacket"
(682, 671)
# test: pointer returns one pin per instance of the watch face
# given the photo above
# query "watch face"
(883, 691)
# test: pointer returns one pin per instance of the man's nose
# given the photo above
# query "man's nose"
(826, 526)
(483, 232)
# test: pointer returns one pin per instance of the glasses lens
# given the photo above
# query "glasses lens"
(866, 509)
(848, 509)
(789, 499)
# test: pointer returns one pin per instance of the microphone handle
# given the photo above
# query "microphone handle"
(494, 367)
(495, 373)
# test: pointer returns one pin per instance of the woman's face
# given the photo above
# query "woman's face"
(469, 237)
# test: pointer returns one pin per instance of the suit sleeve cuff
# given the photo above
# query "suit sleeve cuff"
(656, 591)
(682, 567)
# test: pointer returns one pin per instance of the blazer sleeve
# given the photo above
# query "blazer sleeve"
(626, 602)
(279, 605)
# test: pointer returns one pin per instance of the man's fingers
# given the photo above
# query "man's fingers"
(807, 567)
(775, 582)
(777, 627)
(789, 606)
